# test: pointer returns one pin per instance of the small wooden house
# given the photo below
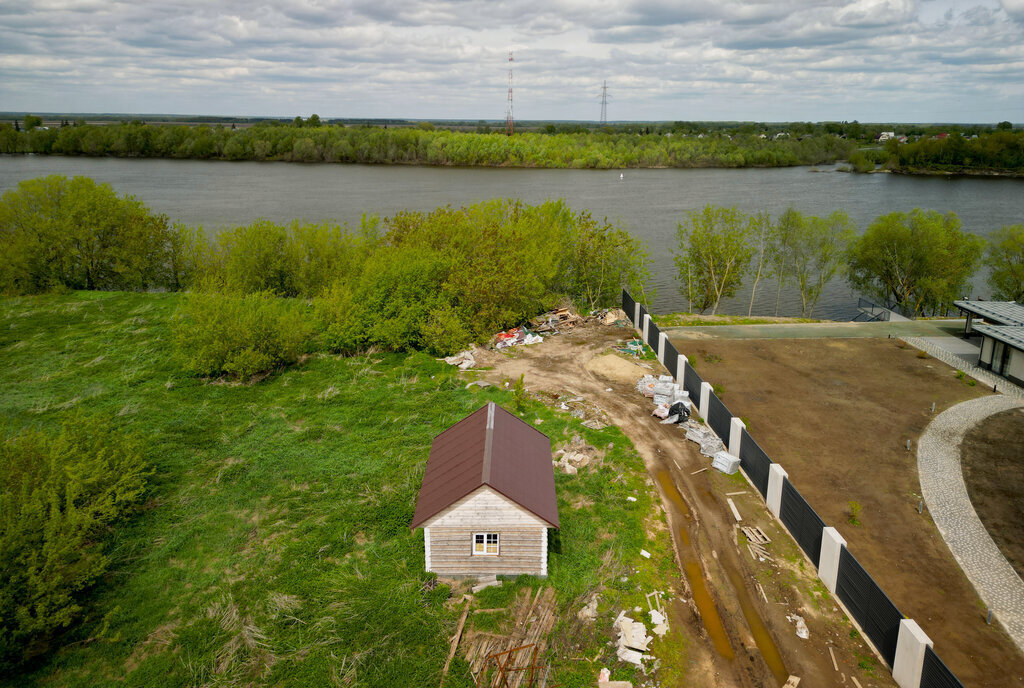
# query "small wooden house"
(488, 497)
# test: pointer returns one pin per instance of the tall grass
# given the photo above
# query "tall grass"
(274, 548)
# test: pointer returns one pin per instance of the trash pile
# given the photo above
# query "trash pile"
(633, 640)
(592, 415)
(659, 619)
(517, 336)
(634, 347)
(556, 321)
(576, 455)
(464, 359)
(801, 625)
(611, 316)
(709, 442)
(672, 403)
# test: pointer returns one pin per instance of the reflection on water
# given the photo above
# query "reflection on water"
(649, 203)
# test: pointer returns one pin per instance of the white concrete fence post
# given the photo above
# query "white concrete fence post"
(680, 371)
(662, 341)
(775, 475)
(705, 400)
(736, 427)
(636, 315)
(646, 326)
(910, 645)
(832, 544)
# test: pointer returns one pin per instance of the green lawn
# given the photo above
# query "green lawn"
(274, 547)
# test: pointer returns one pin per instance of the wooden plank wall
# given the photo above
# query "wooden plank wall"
(521, 551)
(522, 541)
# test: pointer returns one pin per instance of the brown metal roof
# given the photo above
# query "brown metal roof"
(489, 447)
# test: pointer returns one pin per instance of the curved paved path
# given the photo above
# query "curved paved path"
(944, 491)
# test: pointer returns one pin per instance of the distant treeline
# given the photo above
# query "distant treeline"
(424, 145)
(1000, 151)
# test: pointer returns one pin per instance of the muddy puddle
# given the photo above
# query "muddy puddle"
(705, 603)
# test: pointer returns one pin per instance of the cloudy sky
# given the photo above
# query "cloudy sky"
(767, 60)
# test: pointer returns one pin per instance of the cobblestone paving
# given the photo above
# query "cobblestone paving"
(944, 491)
(986, 377)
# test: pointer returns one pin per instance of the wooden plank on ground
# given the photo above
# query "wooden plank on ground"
(455, 639)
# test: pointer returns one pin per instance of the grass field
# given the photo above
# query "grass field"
(274, 547)
(700, 320)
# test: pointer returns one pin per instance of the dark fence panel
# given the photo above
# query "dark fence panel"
(692, 383)
(801, 520)
(754, 462)
(652, 336)
(719, 417)
(870, 606)
(670, 357)
(628, 305)
(935, 674)
(643, 312)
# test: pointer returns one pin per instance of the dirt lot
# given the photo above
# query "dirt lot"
(992, 457)
(836, 414)
(734, 634)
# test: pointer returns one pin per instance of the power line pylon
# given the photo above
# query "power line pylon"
(509, 119)
(604, 104)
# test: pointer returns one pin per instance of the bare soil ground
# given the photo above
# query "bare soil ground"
(992, 458)
(837, 414)
(733, 634)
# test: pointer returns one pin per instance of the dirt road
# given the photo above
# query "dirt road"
(735, 616)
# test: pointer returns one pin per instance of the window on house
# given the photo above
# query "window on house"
(485, 543)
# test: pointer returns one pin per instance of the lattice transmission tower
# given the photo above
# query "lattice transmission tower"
(604, 104)
(510, 122)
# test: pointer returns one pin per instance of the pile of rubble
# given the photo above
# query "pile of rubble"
(633, 640)
(517, 336)
(709, 442)
(672, 402)
(578, 454)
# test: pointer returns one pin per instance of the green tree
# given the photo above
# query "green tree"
(59, 498)
(919, 262)
(79, 234)
(784, 237)
(1004, 126)
(819, 251)
(714, 252)
(600, 261)
(32, 121)
(1005, 261)
(761, 231)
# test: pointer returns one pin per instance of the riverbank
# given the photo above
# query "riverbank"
(648, 203)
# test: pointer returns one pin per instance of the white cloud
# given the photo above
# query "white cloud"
(706, 59)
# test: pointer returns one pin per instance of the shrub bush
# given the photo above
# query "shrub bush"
(80, 235)
(58, 497)
(240, 336)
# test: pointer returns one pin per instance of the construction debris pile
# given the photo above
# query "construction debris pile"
(709, 442)
(592, 415)
(725, 462)
(556, 321)
(464, 359)
(514, 659)
(517, 336)
(671, 402)
(633, 640)
(576, 455)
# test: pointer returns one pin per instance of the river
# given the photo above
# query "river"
(648, 203)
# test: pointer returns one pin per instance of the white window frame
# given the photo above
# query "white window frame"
(485, 553)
